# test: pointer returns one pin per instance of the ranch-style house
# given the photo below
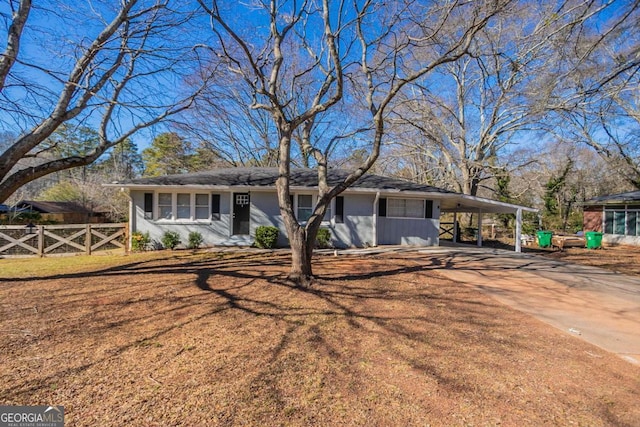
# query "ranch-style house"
(227, 205)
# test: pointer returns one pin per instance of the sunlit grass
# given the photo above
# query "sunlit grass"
(40, 267)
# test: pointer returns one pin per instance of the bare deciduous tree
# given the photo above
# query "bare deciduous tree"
(223, 122)
(612, 129)
(455, 131)
(594, 92)
(101, 64)
(330, 52)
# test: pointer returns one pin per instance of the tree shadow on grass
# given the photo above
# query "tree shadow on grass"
(250, 288)
(230, 282)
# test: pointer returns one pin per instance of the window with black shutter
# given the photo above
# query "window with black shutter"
(428, 212)
(215, 207)
(339, 210)
(148, 205)
(382, 207)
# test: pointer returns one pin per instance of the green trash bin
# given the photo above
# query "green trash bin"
(594, 239)
(544, 238)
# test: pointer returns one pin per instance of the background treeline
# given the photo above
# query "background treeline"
(537, 103)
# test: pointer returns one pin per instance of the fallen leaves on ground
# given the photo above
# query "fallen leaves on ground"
(224, 339)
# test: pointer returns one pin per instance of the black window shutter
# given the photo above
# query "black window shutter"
(382, 207)
(339, 209)
(215, 206)
(428, 211)
(148, 205)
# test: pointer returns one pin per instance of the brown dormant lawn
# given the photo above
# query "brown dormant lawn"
(222, 339)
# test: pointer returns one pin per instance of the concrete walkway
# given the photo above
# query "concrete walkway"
(599, 306)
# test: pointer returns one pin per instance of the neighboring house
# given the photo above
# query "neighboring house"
(62, 212)
(227, 205)
(617, 216)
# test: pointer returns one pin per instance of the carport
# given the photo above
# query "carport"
(461, 203)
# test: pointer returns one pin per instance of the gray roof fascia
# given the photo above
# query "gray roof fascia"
(368, 184)
(631, 197)
(191, 187)
(488, 203)
(153, 187)
(435, 195)
(350, 190)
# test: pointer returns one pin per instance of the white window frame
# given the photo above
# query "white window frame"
(405, 199)
(328, 216)
(309, 208)
(158, 206)
(188, 207)
(174, 207)
(207, 205)
(618, 210)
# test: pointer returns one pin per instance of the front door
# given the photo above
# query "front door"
(241, 213)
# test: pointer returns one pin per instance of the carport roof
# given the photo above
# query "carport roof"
(464, 203)
(227, 178)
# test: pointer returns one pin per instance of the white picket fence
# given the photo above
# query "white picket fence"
(43, 240)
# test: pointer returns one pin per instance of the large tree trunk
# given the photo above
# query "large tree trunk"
(301, 253)
(302, 241)
(301, 246)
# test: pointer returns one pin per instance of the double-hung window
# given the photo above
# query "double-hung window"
(165, 206)
(405, 208)
(305, 207)
(201, 206)
(185, 206)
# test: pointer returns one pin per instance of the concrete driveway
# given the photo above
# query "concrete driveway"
(599, 306)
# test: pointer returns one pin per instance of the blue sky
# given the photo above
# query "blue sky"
(55, 28)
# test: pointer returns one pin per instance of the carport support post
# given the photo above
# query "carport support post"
(479, 228)
(374, 221)
(455, 227)
(518, 241)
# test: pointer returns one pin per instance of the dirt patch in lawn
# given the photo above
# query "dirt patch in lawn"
(622, 259)
(619, 258)
(223, 339)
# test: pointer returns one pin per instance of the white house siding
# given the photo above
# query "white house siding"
(407, 231)
(617, 239)
(410, 231)
(265, 211)
(356, 230)
(215, 232)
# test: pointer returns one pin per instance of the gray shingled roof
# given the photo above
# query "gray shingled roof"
(266, 177)
(52, 207)
(622, 198)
